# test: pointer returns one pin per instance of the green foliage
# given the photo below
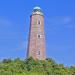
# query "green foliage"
(32, 67)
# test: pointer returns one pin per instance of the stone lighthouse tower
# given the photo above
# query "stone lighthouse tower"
(36, 42)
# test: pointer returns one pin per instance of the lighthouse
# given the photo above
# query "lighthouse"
(36, 40)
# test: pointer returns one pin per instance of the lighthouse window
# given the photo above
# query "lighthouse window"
(38, 22)
(38, 36)
(38, 52)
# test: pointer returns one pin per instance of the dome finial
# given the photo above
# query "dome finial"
(38, 8)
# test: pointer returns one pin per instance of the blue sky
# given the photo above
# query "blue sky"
(59, 28)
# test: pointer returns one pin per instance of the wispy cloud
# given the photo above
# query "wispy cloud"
(56, 22)
(67, 20)
(19, 51)
(22, 45)
(5, 23)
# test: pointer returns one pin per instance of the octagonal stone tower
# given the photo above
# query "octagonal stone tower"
(36, 41)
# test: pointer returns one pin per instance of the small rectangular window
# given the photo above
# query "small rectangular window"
(39, 22)
(38, 36)
(38, 52)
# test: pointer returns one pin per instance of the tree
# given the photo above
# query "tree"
(7, 61)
